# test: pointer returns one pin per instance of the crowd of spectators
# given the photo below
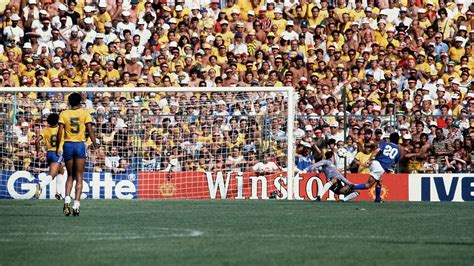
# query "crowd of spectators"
(391, 65)
(146, 131)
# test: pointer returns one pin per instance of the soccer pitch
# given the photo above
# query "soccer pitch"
(118, 232)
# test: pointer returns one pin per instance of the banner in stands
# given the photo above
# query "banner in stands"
(441, 187)
(190, 185)
(22, 185)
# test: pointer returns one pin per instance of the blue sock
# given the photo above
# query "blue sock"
(360, 186)
(378, 189)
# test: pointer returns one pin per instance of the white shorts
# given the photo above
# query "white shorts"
(376, 170)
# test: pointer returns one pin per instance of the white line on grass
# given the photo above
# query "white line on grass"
(144, 233)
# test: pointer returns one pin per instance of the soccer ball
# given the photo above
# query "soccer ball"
(342, 152)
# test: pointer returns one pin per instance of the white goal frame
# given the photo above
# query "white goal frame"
(292, 99)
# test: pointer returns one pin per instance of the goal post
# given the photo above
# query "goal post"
(201, 111)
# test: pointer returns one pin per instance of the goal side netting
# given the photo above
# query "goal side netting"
(168, 143)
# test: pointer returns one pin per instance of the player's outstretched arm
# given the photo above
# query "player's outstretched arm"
(315, 166)
(92, 136)
(59, 138)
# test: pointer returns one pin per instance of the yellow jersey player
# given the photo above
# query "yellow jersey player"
(49, 136)
(74, 123)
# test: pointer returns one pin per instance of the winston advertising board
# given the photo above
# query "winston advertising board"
(192, 185)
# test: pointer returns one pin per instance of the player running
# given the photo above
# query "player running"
(49, 136)
(381, 161)
(74, 122)
(334, 178)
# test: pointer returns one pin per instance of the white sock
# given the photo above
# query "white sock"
(325, 189)
(59, 184)
(77, 204)
(351, 196)
(48, 179)
(67, 199)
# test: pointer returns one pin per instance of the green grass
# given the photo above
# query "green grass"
(237, 233)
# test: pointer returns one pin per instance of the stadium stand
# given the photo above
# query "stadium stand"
(392, 65)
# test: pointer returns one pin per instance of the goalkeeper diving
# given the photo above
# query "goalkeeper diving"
(335, 181)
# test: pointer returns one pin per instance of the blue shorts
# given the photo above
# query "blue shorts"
(51, 157)
(73, 150)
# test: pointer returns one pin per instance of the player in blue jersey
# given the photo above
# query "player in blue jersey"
(334, 179)
(381, 161)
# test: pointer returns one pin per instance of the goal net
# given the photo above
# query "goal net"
(180, 143)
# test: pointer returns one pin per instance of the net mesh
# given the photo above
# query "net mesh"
(154, 144)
